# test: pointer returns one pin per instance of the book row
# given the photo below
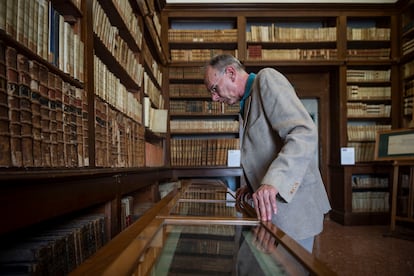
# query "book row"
(202, 35)
(54, 250)
(256, 52)
(372, 33)
(408, 105)
(355, 75)
(382, 53)
(201, 152)
(40, 28)
(115, 44)
(198, 54)
(368, 181)
(203, 126)
(370, 202)
(368, 110)
(274, 33)
(189, 90)
(119, 140)
(129, 18)
(364, 151)
(408, 91)
(209, 209)
(364, 132)
(204, 245)
(408, 69)
(186, 72)
(408, 47)
(356, 92)
(43, 118)
(201, 107)
(109, 88)
(153, 92)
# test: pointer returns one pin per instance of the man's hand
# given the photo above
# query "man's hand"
(265, 202)
(263, 240)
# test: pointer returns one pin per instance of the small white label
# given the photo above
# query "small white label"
(347, 156)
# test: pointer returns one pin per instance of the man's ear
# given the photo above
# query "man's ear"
(232, 72)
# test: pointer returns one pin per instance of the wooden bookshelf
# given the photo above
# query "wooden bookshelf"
(345, 40)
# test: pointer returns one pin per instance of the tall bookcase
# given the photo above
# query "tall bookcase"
(351, 53)
(76, 79)
(407, 63)
(202, 131)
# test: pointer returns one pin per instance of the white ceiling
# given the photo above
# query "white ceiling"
(282, 1)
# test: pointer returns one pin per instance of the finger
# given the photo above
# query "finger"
(256, 206)
(273, 204)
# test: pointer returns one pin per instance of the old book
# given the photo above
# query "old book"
(3, 15)
(52, 119)
(25, 110)
(35, 108)
(158, 120)
(5, 158)
(13, 97)
(44, 115)
(59, 121)
(11, 18)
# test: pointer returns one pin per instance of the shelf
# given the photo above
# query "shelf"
(33, 56)
(114, 66)
(117, 19)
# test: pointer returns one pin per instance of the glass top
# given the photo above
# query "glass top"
(221, 250)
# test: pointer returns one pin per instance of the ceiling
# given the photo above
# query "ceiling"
(282, 1)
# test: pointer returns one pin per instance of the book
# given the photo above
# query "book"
(158, 120)
(13, 100)
(5, 158)
(25, 110)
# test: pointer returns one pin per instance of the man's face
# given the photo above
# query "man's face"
(221, 85)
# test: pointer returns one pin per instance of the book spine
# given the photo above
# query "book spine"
(45, 116)
(25, 110)
(59, 122)
(5, 158)
(13, 97)
(35, 108)
(52, 120)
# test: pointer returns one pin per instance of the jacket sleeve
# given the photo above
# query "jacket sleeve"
(289, 118)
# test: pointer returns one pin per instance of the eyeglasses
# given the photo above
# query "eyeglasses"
(213, 88)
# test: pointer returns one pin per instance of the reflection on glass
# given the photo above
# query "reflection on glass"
(205, 209)
(222, 250)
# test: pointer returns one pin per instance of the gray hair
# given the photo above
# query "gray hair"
(220, 62)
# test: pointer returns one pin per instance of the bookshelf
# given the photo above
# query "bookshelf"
(74, 76)
(202, 131)
(369, 95)
(407, 63)
(343, 43)
(291, 38)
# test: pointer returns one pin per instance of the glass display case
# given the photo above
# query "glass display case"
(200, 229)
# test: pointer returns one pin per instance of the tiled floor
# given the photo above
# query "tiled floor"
(364, 250)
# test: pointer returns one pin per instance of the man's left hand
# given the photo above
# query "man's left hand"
(265, 202)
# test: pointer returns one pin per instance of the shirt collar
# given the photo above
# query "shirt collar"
(247, 91)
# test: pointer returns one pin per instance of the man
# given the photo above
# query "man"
(278, 147)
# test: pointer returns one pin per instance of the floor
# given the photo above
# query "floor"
(364, 250)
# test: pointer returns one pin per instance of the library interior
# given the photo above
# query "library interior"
(117, 159)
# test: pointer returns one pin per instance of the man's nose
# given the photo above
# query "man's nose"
(215, 97)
